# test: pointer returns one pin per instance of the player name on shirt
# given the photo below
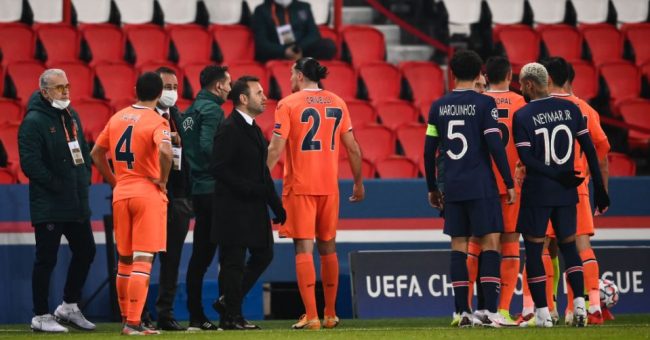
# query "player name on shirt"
(457, 110)
(502, 100)
(551, 117)
(318, 100)
(134, 117)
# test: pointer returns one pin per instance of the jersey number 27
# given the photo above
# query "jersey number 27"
(309, 142)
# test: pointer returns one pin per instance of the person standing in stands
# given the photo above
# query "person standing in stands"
(55, 157)
(179, 208)
(198, 129)
(285, 29)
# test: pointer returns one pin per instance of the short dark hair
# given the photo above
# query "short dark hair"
(164, 69)
(558, 70)
(239, 87)
(571, 71)
(466, 65)
(148, 87)
(311, 68)
(497, 69)
(211, 74)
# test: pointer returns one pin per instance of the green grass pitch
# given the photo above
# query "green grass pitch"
(625, 327)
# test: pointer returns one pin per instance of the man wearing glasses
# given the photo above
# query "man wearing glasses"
(56, 159)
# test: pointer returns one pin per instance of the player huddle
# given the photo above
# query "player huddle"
(542, 192)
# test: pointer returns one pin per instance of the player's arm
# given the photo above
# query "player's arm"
(280, 135)
(98, 155)
(430, 147)
(355, 159)
(601, 142)
(165, 158)
(276, 147)
(601, 199)
(497, 150)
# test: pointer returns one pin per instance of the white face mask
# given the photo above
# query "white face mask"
(60, 104)
(168, 98)
(283, 3)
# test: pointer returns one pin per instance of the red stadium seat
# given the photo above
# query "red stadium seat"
(645, 70)
(341, 79)
(605, 42)
(361, 113)
(24, 76)
(153, 66)
(426, 81)
(183, 104)
(117, 80)
(382, 80)
(123, 103)
(17, 42)
(9, 138)
(80, 77)
(94, 114)
(411, 137)
(621, 164)
(193, 44)
(327, 32)
(636, 112)
(521, 44)
(585, 84)
(235, 42)
(7, 176)
(623, 80)
(192, 73)
(377, 142)
(250, 68)
(395, 113)
(637, 35)
(364, 44)
(105, 42)
(280, 72)
(397, 167)
(367, 169)
(61, 42)
(562, 41)
(149, 42)
(10, 111)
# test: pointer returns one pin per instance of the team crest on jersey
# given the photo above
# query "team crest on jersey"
(188, 124)
(166, 133)
(495, 113)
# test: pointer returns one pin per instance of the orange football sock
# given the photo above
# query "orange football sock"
(329, 273)
(306, 274)
(548, 268)
(473, 252)
(509, 272)
(591, 270)
(122, 286)
(138, 288)
(528, 303)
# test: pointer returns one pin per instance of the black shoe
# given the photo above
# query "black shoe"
(236, 323)
(220, 306)
(148, 323)
(170, 325)
(203, 326)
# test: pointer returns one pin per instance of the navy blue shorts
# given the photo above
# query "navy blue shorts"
(473, 218)
(533, 221)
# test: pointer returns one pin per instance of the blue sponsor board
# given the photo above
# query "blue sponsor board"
(417, 284)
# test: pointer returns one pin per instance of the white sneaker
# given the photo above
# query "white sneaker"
(494, 320)
(72, 316)
(568, 318)
(555, 316)
(46, 323)
(543, 318)
(468, 320)
(579, 312)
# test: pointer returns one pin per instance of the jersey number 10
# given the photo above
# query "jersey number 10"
(549, 144)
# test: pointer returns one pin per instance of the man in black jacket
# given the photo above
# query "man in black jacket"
(56, 159)
(243, 190)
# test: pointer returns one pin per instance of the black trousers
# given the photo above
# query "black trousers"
(48, 238)
(237, 276)
(179, 212)
(323, 49)
(203, 251)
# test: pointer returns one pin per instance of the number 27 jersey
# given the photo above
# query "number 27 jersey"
(460, 120)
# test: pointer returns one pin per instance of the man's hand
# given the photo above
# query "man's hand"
(437, 199)
(292, 53)
(161, 184)
(358, 193)
(512, 196)
(601, 200)
(520, 173)
(280, 216)
(176, 139)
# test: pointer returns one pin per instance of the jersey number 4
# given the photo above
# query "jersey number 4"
(309, 142)
(123, 148)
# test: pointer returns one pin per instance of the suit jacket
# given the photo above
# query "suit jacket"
(243, 186)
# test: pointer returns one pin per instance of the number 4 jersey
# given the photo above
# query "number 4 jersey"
(132, 137)
(461, 120)
(311, 121)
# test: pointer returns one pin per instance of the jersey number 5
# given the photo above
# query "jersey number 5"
(123, 148)
(309, 143)
(451, 135)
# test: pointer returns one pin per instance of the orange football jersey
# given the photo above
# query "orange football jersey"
(508, 103)
(311, 121)
(132, 137)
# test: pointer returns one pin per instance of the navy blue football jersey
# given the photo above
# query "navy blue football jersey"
(547, 128)
(460, 120)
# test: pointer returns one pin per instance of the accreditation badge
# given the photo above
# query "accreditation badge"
(285, 34)
(75, 151)
(177, 152)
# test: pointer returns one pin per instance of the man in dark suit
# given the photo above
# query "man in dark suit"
(243, 189)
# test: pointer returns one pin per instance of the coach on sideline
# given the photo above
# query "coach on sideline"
(56, 159)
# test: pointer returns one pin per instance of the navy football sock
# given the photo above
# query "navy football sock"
(535, 272)
(573, 267)
(459, 280)
(489, 273)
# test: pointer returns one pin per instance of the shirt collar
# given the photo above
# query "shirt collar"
(249, 120)
(162, 111)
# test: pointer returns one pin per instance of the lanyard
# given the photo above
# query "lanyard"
(172, 123)
(275, 17)
(74, 127)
